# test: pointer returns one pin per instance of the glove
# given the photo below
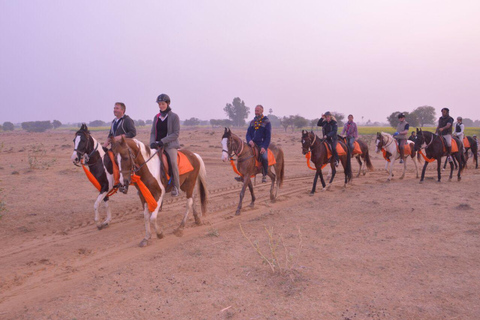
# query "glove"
(395, 134)
(156, 145)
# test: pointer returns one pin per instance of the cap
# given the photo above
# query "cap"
(448, 110)
(401, 115)
(327, 113)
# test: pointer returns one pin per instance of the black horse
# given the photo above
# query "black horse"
(435, 149)
(473, 147)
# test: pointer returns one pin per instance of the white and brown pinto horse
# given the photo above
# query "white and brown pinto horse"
(134, 157)
(388, 143)
(233, 145)
(88, 152)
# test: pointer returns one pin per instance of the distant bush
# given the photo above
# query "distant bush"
(192, 122)
(221, 123)
(8, 126)
(149, 122)
(56, 124)
(36, 126)
(139, 123)
(97, 123)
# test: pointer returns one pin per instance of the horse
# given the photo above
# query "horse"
(138, 163)
(435, 149)
(386, 142)
(88, 152)
(364, 155)
(474, 149)
(312, 143)
(233, 145)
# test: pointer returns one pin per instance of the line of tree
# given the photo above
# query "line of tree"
(420, 116)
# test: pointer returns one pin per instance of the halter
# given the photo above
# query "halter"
(242, 146)
(433, 138)
(86, 157)
(388, 143)
(135, 167)
(313, 141)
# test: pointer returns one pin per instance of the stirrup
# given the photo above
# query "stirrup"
(239, 179)
(175, 192)
(264, 179)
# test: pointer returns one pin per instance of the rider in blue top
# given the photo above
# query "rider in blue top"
(258, 134)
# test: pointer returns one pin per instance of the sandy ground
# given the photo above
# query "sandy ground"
(377, 250)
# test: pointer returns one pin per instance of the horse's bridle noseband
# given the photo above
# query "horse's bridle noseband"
(86, 157)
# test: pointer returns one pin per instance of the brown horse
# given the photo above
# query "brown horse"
(364, 155)
(315, 145)
(233, 145)
(137, 160)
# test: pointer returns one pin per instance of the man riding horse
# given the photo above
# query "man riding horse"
(330, 129)
(444, 129)
(122, 125)
(401, 135)
(258, 134)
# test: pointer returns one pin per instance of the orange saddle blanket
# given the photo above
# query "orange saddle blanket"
(356, 148)
(454, 146)
(271, 159)
(184, 165)
(466, 143)
(340, 150)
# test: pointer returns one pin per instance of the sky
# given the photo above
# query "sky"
(72, 60)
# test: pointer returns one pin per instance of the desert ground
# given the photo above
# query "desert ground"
(375, 250)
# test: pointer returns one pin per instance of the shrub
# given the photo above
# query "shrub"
(8, 126)
(36, 126)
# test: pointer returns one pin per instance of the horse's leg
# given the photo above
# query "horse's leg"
(404, 168)
(460, 166)
(109, 214)
(386, 166)
(334, 171)
(390, 172)
(100, 197)
(416, 167)
(320, 173)
(148, 233)
(250, 187)
(246, 181)
(439, 173)
(272, 176)
(445, 164)
(315, 183)
(423, 171)
(360, 166)
(179, 231)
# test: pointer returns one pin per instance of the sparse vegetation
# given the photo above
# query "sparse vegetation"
(213, 233)
(36, 157)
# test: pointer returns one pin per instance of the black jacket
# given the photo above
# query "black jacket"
(329, 128)
(126, 127)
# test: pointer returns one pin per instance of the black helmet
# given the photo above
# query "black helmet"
(401, 115)
(446, 109)
(327, 113)
(163, 97)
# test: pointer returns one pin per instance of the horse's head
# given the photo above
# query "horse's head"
(308, 139)
(125, 157)
(81, 144)
(420, 140)
(227, 144)
(379, 142)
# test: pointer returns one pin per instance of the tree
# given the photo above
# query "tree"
(139, 123)
(313, 123)
(412, 119)
(56, 124)
(425, 115)
(148, 121)
(270, 111)
(237, 111)
(221, 123)
(339, 117)
(97, 123)
(274, 120)
(466, 121)
(476, 123)
(8, 126)
(299, 122)
(393, 119)
(36, 126)
(192, 122)
(286, 122)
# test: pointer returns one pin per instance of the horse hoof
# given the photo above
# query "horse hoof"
(251, 205)
(439, 181)
(311, 193)
(198, 221)
(237, 213)
(421, 182)
(160, 235)
(143, 243)
(178, 232)
(459, 179)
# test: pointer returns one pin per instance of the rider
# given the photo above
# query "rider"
(258, 134)
(122, 125)
(401, 135)
(165, 132)
(459, 130)
(413, 136)
(330, 129)
(444, 129)
(350, 128)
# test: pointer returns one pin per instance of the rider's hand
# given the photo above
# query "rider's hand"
(251, 143)
(324, 137)
(395, 134)
(106, 144)
(262, 151)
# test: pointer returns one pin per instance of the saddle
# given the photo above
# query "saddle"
(454, 147)
(340, 150)
(256, 155)
(466, 143)
(407, 151)
(356, 145)
(184, 165)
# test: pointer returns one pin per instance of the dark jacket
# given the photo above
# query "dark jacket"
(126, 126)
(442, 122)
(329, 128)
(173, 131)
(262, 135)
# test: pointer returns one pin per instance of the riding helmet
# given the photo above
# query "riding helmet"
(163, 97)
(401, 115)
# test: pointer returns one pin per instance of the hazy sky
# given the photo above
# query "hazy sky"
(71, 60)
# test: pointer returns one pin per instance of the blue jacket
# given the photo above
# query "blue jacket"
(262, 135)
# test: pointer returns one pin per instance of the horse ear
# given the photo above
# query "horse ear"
(303, 131)
(83, 126)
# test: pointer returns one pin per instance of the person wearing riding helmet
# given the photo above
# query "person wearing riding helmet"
(401, 135)
(330, 129)
(444, 128)
(165, 132)
(122, 125)
(459, 130)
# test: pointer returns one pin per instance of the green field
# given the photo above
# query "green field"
(373, 130)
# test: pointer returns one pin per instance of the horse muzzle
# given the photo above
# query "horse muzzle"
(123, 189)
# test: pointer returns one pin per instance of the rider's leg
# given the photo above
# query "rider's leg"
(351, 142)
(448, 140)
(334, 150)
(172, 153)
(401, 144)
(264, 159)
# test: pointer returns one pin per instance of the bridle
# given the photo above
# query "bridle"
(431, 141)
(135, 167)
(385, 146)
(82, 154)
(230, 147)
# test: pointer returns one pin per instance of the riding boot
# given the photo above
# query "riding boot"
(265, 170)
(449, 153)
(402, 152)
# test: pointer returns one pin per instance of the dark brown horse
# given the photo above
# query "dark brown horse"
(364, 155)
(233, 145)
(435, 149)
(474, 149)
(315, 145)
(137, 160)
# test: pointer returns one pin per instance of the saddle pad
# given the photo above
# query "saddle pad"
(271, 159)
(116, 172)
(454, 146)
(407, 151)
(340, 150)
(356, 148)
(184, 165)
(466, 143)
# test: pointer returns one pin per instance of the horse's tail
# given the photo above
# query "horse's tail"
(368, 161)
(348, 167)
(281, 172)
(202, 184)
(474, 149)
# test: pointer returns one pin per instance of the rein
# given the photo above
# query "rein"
(308, 155)
(238, 154)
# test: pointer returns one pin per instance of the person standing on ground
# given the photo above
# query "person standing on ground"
(165, 132)
(350, 128)
(122, 125)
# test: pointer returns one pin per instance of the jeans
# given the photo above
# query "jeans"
(350, 143)
(333, 144)
(264, 160)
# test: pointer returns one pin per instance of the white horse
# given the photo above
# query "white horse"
(387, 142)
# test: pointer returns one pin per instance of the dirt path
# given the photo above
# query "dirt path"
(376, 250)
